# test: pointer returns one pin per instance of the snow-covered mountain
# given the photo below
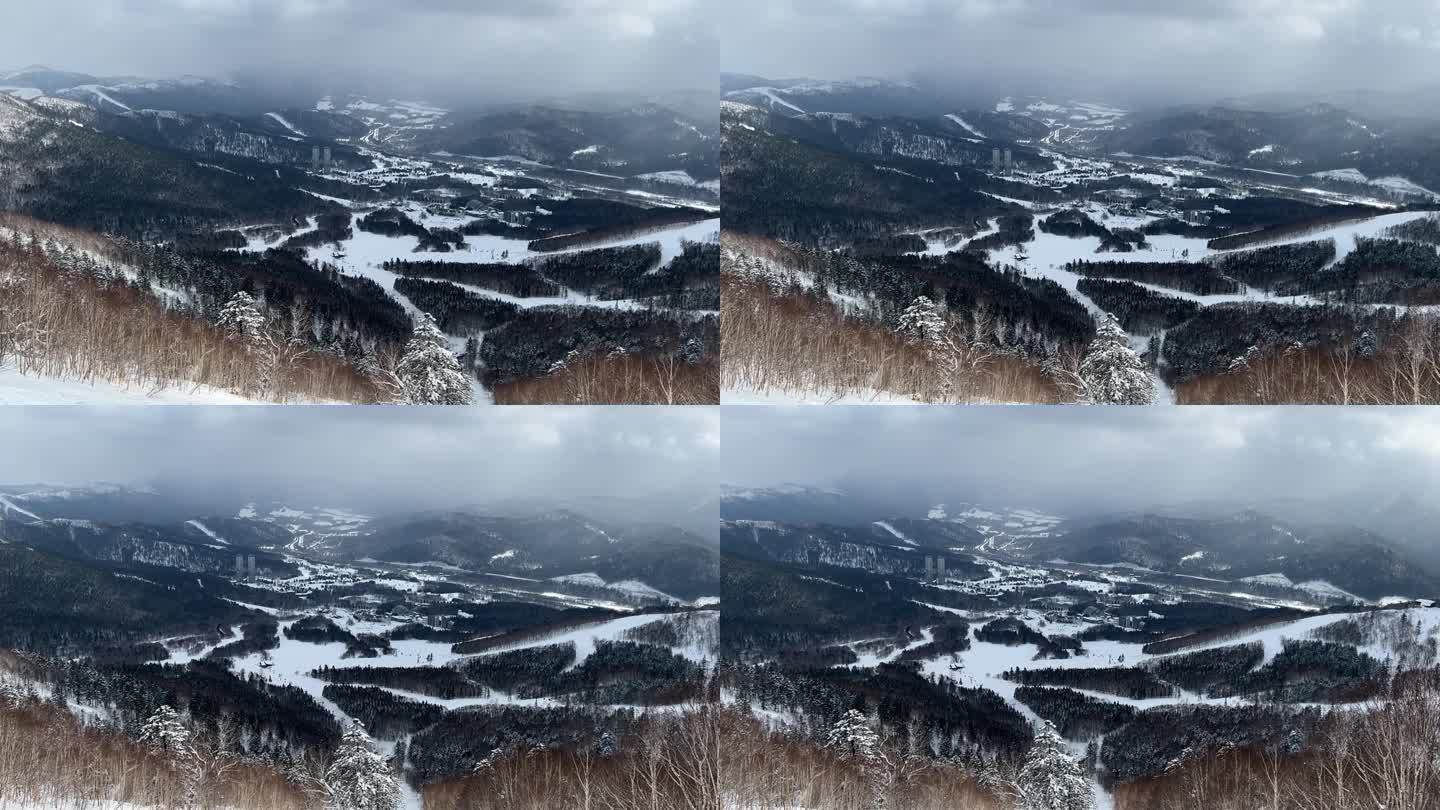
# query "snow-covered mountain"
(860, 96)
(645, 138)
(797, 503)
(1247, 544)
(1004, 529)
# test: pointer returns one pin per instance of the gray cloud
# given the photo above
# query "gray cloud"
(1147, 50)
(1088, 458)
(371, 457)
(464, 52)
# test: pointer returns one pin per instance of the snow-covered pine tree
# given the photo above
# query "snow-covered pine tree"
(1112, 373)
(166, 733)
(359, 778)
(853, 737)
(428, 372)
(607, 746)
(11, 696)
(692, 351)
(241, 318)
(1050, 779)
(922, 324)
(490, 761)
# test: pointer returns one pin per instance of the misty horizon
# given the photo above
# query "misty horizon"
(1161, 55)
(1089, 462)
(460, 54)
(373, 458)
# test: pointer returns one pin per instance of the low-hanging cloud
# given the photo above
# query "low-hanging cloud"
(452, 51)
(1144, 50)
(378, 458)
(1089, 459)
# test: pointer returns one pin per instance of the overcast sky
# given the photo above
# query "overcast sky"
(448, 48)
(1079, 458)
(1152, 48)
(371, 457)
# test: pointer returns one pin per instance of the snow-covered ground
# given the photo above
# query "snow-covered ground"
(365, 252)
(24, 389)
(585, 636)
(869, 655)
(1048, 253)
(965, 125)
(937, 245)
(1006, 529)
(293, 661)
(983, 663)
(279, 119)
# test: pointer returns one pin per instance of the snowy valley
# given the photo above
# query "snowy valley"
(1020, 251)
(449, 638)
(357, 249)
(978, 605)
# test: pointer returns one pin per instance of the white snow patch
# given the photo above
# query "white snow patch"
(205, 530)
(965, 125)
(279, 119)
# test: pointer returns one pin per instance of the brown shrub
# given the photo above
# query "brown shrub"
(793, 342)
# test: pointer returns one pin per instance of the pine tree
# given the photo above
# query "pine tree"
(922, 324)
(241, 318)
(852, 735)
(607, 746)
(429, 373)
(1112, 373)
(1050, 779)
(11, 696)
(359, 778)
(855, 739)
(166, 733)
(692, 352)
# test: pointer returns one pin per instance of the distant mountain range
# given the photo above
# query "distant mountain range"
(800, 524)
(1385, 141)
(111, 524)
(204, 115)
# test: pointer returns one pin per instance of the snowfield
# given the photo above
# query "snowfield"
(279, 119)
(584, 637)
(984, 662)
(365, 252)
(1048, 253)
(23, 389)
(965, 125)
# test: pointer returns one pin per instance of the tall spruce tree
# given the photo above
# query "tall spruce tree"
(359, 778)
(428, 372)
(1112, 373)
(1050, 779)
